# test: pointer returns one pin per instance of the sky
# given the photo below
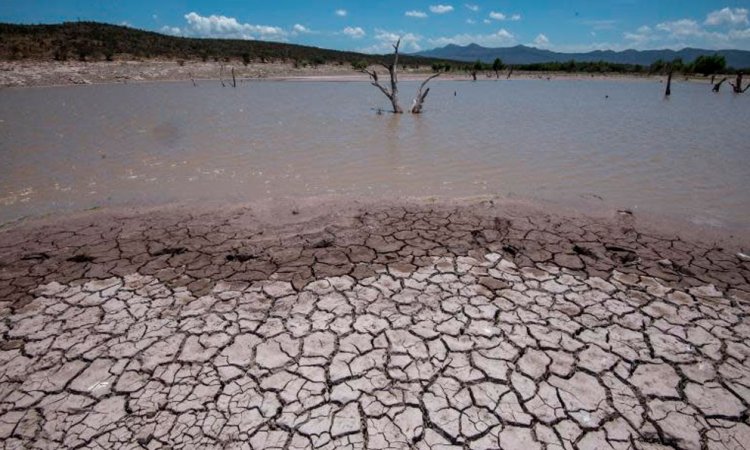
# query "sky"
(371, 26)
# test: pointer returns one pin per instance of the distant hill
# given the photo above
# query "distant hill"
(101, 41)
(522, 54)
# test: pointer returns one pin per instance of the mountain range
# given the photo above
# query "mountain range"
(522, 54)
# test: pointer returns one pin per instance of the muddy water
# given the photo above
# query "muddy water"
(73, 148)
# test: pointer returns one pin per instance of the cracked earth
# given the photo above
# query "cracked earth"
(408, 326)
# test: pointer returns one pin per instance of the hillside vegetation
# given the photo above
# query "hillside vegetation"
(87, 41)
(521, 55)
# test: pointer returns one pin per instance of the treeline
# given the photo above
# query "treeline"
(93, 41)
(702, 65)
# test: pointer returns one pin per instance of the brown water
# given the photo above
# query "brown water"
(72, 148)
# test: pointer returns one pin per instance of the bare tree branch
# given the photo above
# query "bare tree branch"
(418, 102)
(717, 86)
(374, 77)
(737, 86)
(392, 94)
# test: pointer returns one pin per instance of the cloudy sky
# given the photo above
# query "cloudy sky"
(563, 25)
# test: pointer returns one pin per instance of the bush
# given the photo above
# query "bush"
(359, 65)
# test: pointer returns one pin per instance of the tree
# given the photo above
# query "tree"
(709, 65)
(83, 49)
(392, 93)
(246, 58)
(497, 66)
(677, 65)
(657, 66)
(475, 69)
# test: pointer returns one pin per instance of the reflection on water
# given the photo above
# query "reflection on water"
(79, 147)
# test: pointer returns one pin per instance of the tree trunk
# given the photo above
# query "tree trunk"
(717, 86)
(416, 107)
(738, 86)
(234, 80)
(510, 72)
(669, 83)
(473, 75)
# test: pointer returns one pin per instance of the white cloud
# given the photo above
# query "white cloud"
(541, 40)
(385, 39)
(500, 16)
(736, 16)
(354, 32)
(500, 38)
(416, 14)
(682, 33)
(472, 7)
(441, 9)
(487, 21)
(301, 29)
(681, 28)
(228, 27)
(740, 34)
(471, 21)
(174, 31)
(341, 12)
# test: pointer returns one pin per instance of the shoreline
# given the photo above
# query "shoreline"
(582, 208)
(281, 212)
(54, 74)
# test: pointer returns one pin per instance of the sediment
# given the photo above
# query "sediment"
(410, 325)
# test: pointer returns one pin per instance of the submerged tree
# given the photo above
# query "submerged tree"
(668, 92)
(737, 86)
(392, 93)
(717, 86)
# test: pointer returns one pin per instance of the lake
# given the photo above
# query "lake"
(620, 143)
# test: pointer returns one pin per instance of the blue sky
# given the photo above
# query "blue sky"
(563, 25)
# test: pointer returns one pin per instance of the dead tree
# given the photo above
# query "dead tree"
(669, 82)
(234, 80)
(416, 106)
(392, 93)
(737, 88)
(392, 70)
(717, 86)
(473, 73)
(510, 72)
